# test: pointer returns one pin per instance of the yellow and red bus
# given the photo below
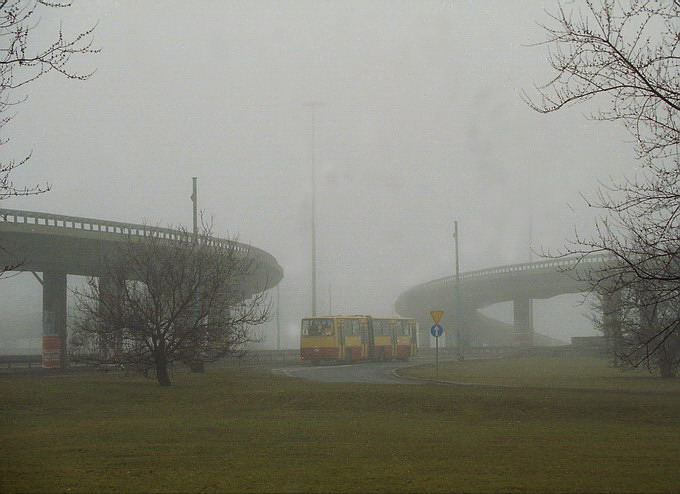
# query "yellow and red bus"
(357, 338)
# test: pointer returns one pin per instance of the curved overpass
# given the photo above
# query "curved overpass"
(59, 245)
(519, 283)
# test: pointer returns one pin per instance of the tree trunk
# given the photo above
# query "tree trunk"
(162, 369)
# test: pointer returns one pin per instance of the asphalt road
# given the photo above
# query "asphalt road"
(370, 372)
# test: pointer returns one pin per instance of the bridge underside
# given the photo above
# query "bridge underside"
(57, 251)
(470, 327)
(479, 330)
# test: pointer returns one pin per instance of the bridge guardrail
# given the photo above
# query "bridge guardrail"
(118, 228)
(564, 263)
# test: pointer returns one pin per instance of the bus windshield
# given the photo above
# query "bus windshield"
(317, 327)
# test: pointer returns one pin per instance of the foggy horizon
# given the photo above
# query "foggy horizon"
(419, 124)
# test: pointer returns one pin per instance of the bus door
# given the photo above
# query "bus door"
(355, 339)
(382, 338)
(404, 339)
(395, 331)
(413, 327)
(341, 338)
(361, 329)
(368, 331)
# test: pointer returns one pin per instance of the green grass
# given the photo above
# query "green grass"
(230, 431)
(561, 372)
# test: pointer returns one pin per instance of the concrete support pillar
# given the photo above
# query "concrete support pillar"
(523, 334)
(55, 350)
(110, 343)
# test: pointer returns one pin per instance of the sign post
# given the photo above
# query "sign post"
(436, 330)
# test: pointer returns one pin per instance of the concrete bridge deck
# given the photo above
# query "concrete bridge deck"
(58, 246)
(519, 283)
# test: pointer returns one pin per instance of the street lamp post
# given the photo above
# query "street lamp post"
(313, 157)
(458, 316)
(194, 200)
(278, 318)
(196, 365)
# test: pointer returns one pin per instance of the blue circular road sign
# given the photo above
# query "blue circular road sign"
(436, 330)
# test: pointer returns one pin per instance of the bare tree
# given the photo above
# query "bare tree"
(626, 56)
(640, 327)
(639, 281)
(626, 53)
(159, 301)
(23, 59)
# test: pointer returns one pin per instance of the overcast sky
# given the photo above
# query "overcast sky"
(419, 123)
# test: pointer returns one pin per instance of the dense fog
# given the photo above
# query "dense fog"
(409, 112)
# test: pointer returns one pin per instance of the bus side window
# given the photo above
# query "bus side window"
(380, 327)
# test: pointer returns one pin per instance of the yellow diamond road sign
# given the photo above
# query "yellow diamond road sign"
(436, 315)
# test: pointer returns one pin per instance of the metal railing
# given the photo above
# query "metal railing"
(118, 228)
(552, 264)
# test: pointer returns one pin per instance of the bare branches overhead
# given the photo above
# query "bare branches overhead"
(627, 54)
(23, 60)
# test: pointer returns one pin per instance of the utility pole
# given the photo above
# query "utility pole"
(458, 317)
(196, 366)
(313, 158)
(531, 259)
(194, 199)
(278, 318)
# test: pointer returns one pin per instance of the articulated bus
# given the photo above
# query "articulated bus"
(357, 338)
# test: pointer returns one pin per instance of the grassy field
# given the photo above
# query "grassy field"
(547, 372)
(244, 431)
